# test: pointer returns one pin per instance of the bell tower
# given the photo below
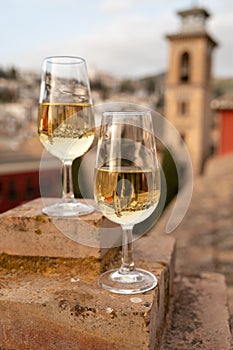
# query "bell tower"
(188, 84)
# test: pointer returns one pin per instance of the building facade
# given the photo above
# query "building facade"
(223, 105)
(20, 183)
(188, 89)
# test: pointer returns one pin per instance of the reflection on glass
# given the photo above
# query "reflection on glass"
(127, 189)
(66, 122)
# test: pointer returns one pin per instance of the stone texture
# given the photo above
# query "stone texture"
(51, 300)
(26, 231)
(64, 308)
(199, 316)
(58, 314)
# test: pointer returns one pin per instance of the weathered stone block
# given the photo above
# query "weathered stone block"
(53, 302)
(64, 312)
(199, 317)
(25, 231)
(49, 295)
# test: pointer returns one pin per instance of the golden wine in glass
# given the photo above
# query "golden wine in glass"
(66, 123)
(127, 189)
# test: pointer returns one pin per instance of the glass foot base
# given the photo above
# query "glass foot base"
(68, 209)
(137, 281)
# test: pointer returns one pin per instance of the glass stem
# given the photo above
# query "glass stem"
(127, 250)
(68, 192)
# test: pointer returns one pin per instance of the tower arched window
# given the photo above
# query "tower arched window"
(183, 108)
(185, 67)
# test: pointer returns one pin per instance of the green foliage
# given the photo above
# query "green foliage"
(150, 85)
(127, 86)
(7, 95)
(9, 73)
(171, 175)
(98, 85)
(222, 86)
(75, 173)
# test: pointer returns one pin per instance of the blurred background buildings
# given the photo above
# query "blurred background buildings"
(199, 105)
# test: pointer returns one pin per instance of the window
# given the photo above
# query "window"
(185, 67)
(12, 191)
(183, 108)
(1, 189)
(29, 188)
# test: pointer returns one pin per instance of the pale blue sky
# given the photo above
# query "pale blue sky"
(122, 37)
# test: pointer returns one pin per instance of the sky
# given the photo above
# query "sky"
(125, 38)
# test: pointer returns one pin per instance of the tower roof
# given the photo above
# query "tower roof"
(194, 11)
(193, 24)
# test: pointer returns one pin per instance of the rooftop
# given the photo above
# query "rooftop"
(194, 11)
(223, 102)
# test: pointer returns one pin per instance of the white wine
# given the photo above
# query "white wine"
(125, 195)
(66, 130)
(66, 147)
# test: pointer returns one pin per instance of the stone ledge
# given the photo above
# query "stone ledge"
(199, 317)
(55, 303)
(58, 314)
(25, 231)
(68, 311)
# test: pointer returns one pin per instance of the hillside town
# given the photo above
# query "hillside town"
(19, 97)
(19, 100)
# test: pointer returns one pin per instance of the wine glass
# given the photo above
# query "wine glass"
(66, 123)
(127, 189)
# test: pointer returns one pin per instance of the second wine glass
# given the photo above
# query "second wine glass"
(66, 123)
(127, 189)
